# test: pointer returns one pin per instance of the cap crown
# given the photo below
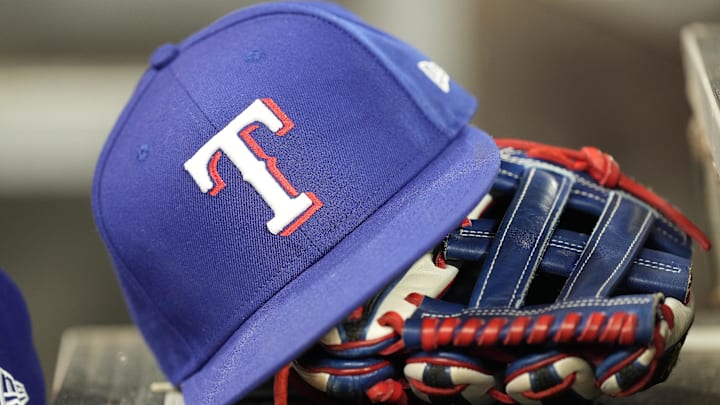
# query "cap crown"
(248, 152)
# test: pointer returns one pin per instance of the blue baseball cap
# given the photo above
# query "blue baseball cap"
(269, 174)
(21, 378)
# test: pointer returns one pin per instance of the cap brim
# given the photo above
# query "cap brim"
(380, 249)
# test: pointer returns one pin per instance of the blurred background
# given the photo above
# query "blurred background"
(568, 72)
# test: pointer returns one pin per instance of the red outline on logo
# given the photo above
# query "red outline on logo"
(219, 182)
(246, 136)
(316, 205)
(280, 114)
(271, 161)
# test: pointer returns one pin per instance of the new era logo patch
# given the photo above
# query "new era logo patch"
(12, 391)
(435, 73)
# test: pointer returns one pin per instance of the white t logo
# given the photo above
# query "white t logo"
(291, 208)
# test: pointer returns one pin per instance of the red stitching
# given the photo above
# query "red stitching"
(541, 329)
(536, 366)
(357, 344)
(430, 390)
(428, 340)
(316, 205)
(387, 391)
(517, 330)
(613, 328)
(566, 330)
(415, 298)
(446, 330)
(620, 328)
(246, 135)
(441, 361)
(467, 332)
(356, 314)
(566, 383)
(629, 328)
(286, 121)
(393, 320)
(280, 385)
(668, 315)
(396, 322)
(498, 395)
(440, 261)
(592, 327)
(347, 371)
(659, 343)
(219, 182)
(490, 335)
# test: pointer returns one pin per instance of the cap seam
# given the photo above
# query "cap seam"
(100, 219)
(197, 40)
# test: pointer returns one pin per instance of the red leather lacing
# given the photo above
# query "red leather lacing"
(280, 386)
(603, 168)
(566, 383)
(620, 328)
(388, 391)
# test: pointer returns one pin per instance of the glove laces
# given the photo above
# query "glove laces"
(387, 391)
(605, 170)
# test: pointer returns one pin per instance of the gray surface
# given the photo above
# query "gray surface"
(552, 71)
(112, 365)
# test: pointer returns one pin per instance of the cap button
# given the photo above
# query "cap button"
(163, 56)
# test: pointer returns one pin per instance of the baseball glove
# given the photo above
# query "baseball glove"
(568, 281)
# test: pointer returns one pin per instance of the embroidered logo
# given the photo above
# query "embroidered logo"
(12, 391)
(437, 74)
(290, 208)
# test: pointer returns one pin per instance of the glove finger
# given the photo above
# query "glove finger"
(445, 377)
(551, 377)
(626, 371)
(629, 371)
(343, 378)
(364, 334)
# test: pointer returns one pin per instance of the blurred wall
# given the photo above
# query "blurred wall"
(568, 72)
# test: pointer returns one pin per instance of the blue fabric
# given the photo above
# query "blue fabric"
(222, 301)
(21, 377)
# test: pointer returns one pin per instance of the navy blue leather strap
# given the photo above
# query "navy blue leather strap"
(516, 252)
(613, 245)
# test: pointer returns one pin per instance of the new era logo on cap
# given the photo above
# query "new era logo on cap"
(21, 379)
(436, 73)
(269, 174)
(12, 391)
